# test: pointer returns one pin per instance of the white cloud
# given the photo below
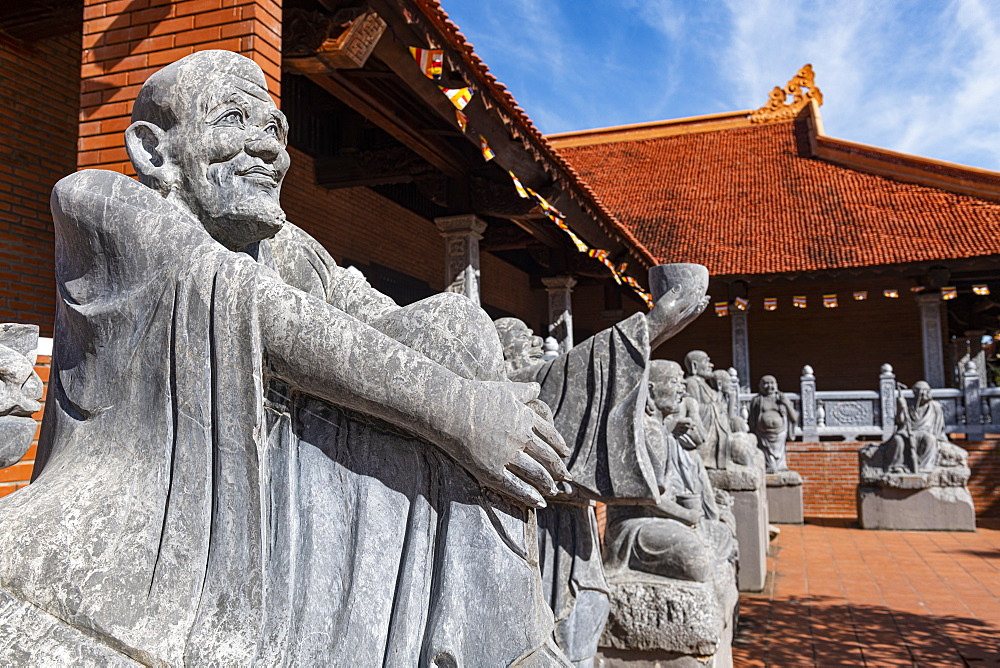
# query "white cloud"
(922, 79)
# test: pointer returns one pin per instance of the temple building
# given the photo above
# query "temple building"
(822, 251)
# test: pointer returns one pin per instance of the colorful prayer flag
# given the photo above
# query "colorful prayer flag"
(981, 289)
(458, 96)
(861, 296)
(488, 153)
(721, 309)
(949, 292)
(742, 303)
(829, 301)
(770, 303)
(462, 120)
(917, 289)
(546, 207)
(430, 61)
(799, 301)
(891, 294)
(577, 241)
(517, 184)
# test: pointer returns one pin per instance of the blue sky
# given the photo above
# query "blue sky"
(921, 77)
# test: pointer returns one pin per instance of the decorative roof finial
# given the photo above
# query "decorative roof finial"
(801, 87)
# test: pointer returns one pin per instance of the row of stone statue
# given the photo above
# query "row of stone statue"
(249, 456)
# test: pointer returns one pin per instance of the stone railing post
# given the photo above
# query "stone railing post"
(887, 399)
(734, 393)
(807, 393)
(973, 408)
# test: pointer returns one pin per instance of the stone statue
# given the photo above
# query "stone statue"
(661, 539)
(732, 458)
(917, 479)
(598, 393)
(688, 537)
(723, 443)
(772, 418)
(919, 444)
(249, 456)
(20, 390)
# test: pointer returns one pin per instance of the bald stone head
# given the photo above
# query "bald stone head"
(207, 136)
(698, 363)
(520, 345)
(666, 385)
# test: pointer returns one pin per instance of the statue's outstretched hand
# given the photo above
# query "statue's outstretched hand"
(672, 313)
(512, 447)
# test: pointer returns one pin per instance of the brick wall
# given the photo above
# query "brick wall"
(124, 41)
(17, 476)
(39, 98)
(830, 470)
(984, 460)
(830, 473)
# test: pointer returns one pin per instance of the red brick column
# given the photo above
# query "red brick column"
(124, 41)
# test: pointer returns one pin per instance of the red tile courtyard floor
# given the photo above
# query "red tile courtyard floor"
(841, 596)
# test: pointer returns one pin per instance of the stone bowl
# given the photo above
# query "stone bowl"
(692, 279)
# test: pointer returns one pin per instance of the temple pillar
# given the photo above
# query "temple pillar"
(741, 347)
(461, 253)
(560, 289)
(932, 310)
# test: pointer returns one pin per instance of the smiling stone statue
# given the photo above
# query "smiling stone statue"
(249, 456)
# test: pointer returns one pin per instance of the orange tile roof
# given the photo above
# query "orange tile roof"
(749, 199)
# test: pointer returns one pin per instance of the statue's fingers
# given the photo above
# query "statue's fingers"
(547, 457)
(547, 432)
(541, 409)
(518, 490)
(532, 472)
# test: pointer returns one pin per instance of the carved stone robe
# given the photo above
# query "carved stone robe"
(190, 507)
(597, 392)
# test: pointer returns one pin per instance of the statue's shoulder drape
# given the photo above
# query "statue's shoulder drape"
(597, 392)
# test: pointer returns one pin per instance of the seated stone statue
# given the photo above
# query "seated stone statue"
(919, 445)
(772, 418)
(597, 393)
(672, 566)
(723, 444)
(20, 390)
(248, 455)
(917, 480)
(684, 535)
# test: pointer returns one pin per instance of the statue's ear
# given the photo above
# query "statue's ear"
(146, 145)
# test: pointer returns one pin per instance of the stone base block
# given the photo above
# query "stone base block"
(663, 623)
(929, 509)
(784, 501)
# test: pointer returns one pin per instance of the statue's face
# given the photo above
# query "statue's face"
(521, 345)
(703, 367)
(667, 390)
(923, 392)
(229, 144)
(768, 386)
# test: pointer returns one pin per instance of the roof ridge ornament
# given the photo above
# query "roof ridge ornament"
(801, 87)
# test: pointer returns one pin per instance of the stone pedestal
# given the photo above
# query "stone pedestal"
(661, 623)
(746, 485)
(784, 497)
(921, 509)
